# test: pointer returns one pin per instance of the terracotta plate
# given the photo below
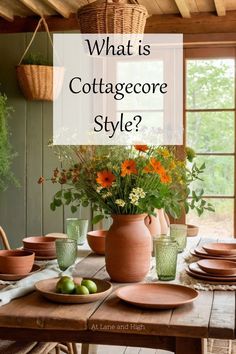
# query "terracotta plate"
(194, 267)
(11, 277)
(47, 288)
(218, 267)
(207, 256)
(194, 271)
(228, 249)
(200, 250)
(156, 295)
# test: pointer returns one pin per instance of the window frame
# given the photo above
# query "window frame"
(211, 53)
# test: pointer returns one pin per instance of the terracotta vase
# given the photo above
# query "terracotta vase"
(128, 248)
(158, 225)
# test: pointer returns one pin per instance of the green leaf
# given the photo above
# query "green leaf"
(85, 203)
(57, 202)
(97, 218)
(52, 206)
(67, 195)
(73, 208)
(58, 194)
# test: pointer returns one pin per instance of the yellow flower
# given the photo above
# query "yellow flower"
(165, 153)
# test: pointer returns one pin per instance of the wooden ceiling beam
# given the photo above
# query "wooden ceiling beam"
(197, 24)
(220, 7)
(183, 8)
(31, 5)
(28, 24)
(6, 13)
(61, 7)
(207, 22)
(38, 7)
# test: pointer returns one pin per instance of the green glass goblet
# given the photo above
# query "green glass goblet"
(66, 251)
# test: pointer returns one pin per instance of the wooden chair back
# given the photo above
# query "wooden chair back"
(4, 239)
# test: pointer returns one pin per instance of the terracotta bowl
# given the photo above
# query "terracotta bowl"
(39, 243)
(42, 253)
(16, 261)
(96, 241)
(192, 230)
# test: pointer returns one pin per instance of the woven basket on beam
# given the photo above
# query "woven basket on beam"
(36, 81)
(112, 16)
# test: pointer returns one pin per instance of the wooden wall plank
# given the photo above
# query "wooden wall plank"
(34, 151)
(13, 201)
(34, 169)
(26, 210)
(52, 220)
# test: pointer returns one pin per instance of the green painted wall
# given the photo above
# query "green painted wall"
(25, 210)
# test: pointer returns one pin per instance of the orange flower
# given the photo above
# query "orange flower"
(148, 169)
(105, 178)
(142, 148)
(128, 167)
(165, 178)
(41, 180)
(157, 166)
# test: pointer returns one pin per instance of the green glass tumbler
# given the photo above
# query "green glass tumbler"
(77, 229)
(66, 251)
(166, 252)
(178, 232)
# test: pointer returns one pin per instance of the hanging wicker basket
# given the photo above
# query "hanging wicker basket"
(112, 16)
(39, 82)
(36, 81)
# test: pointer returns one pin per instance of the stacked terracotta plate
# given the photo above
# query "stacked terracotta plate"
(43, 247)
(218, 263)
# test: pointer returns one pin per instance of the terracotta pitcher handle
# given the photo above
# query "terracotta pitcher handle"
(148, 220)
(167, 219)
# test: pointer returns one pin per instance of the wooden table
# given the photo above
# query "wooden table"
(113, 322)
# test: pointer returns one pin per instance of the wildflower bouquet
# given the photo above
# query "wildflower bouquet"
(127, 180)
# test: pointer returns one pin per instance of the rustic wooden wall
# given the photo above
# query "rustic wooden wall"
(25, 210)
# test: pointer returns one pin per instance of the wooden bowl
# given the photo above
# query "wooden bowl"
(18, 262)
(96, 241)
(192, 230)
(39, 243)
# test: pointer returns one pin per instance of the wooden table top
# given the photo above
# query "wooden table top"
(211, 315)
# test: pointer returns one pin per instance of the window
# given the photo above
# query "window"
(210, 130)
